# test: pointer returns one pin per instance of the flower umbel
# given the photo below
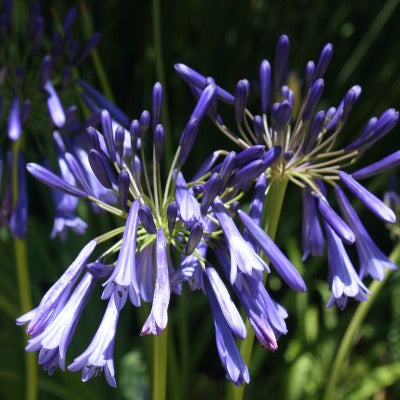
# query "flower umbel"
(309, 157)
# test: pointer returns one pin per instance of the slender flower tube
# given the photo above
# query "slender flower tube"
(228, 308)
(55, 339)
(343, 279)
(372, 261)
(386, 164)
(378, 207)
(229, 354)
(284, 267)
(313, 238)
(242, 255)
(158, 318)
(55, 298)
(99, 354)
(123, 281)
(14, 121)
(188, 206)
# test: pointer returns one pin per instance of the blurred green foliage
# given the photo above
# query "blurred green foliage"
(226, 40)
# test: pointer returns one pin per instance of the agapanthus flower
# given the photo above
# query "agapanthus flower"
(164, 217)
(108, 174)
(309, 157)
(34, 91)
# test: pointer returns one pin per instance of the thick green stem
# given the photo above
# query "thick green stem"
(272, 211)
(160, 366)
(353, 329)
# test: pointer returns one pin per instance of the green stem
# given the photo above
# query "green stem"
(184, 342)
(23, 283)
(353, 329)
(272, 211)
(156, 19)
(160, 366)
(26, 305)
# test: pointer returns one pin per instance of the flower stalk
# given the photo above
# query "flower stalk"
(160, 350)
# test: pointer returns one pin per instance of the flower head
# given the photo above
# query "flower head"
(308, 156)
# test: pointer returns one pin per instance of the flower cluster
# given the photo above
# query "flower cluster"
(174, 220)
(310, 160)
(197, 230)
(34, 68)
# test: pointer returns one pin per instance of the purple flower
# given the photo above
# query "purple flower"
(158, 318)
(14, 121)
(372, 261)
(307, 139)
(65, 204)
(56, 337)
(334, 221)
(199, 81)
(228, 308)
(65, 217)
(241, 95)
(387, 163)
(265, 85)
(123, 280)
(343, 279)
(313, 238)
(188, 206)
(157, 99)
(145, 272)
(281, 59)
(232, 361)
(55, 298)
(52, 180)
(54, 105)
(189, 134)
(323, 61)
(99, 354)
(281, 263)
(266, 317)
(242, 255)
(378, 207)
(101, 103)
